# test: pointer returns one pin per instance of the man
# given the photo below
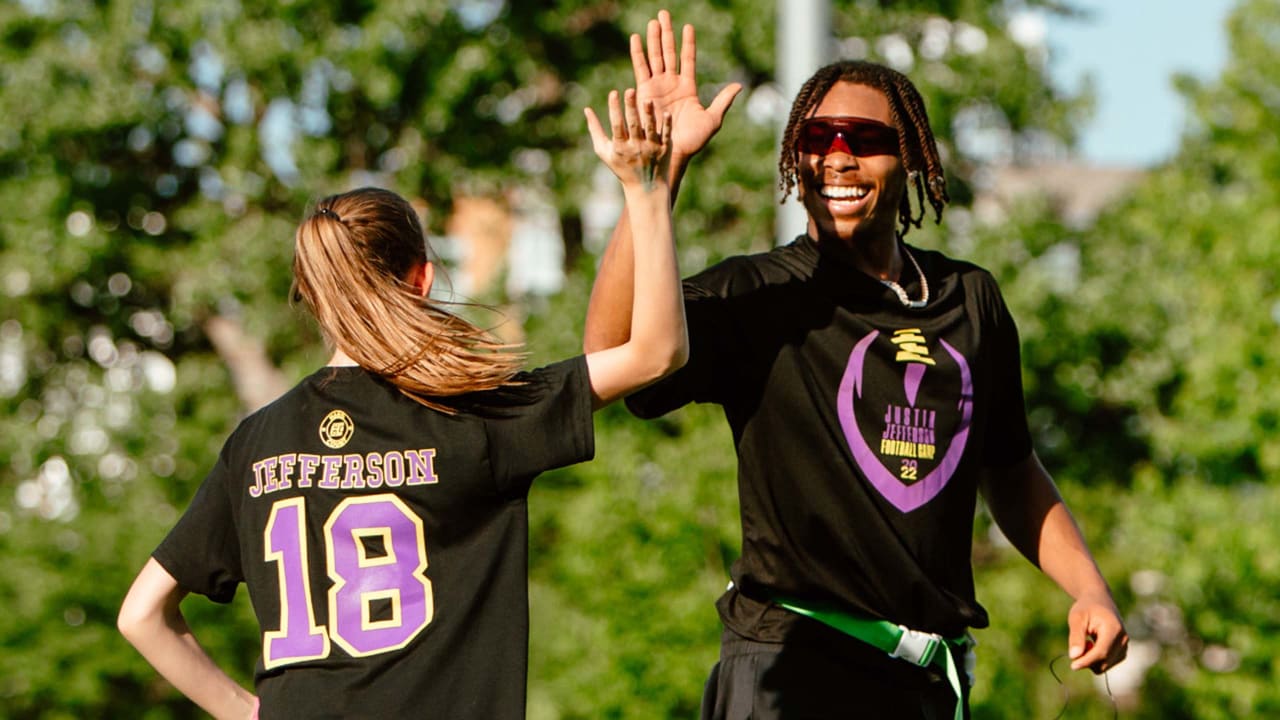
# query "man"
(873, 390)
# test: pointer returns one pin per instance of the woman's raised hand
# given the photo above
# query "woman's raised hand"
(638, 150)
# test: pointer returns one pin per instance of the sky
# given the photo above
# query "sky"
(1132, 48)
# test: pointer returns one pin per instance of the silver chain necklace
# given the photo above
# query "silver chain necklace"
(902, 294)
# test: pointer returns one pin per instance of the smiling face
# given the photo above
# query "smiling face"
(852, 198)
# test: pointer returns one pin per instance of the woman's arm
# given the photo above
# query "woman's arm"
(639, 152)
(1026, 505)
(150, 619)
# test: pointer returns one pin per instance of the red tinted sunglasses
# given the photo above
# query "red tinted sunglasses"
(852, 135)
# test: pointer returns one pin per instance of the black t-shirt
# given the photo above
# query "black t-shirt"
(860, 427)
(384, 544)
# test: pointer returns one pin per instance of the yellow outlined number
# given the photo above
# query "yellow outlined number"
(392, 579)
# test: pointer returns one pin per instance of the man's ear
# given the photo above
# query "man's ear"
(421, 276)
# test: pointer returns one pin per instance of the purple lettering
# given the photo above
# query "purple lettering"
(287, 463)
(332, 467)
(393, 464)
(373, 463)
(255, 490)
(269, 466)
(422, 469)
(354, 477)
(307, 465)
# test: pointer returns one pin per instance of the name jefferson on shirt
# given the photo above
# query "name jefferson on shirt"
(394, 468)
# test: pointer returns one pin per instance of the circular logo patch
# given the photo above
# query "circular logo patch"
(336, 429)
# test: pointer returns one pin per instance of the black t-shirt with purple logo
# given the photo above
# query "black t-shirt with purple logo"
(384, 544)
(861, 426)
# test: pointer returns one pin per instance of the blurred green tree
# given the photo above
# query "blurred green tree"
(1150, 363)
(1197, 243)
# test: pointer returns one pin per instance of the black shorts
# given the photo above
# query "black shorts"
(821, 674)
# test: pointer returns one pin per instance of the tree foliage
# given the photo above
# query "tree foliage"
(1152, 379)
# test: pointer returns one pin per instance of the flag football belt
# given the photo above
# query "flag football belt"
(914, 646)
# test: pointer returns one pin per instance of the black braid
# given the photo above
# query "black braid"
(916, 143)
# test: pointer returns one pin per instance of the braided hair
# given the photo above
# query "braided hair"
(916, 144)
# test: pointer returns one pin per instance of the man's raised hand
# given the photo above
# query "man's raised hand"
(675, 89)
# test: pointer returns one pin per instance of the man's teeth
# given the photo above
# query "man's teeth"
(843, 192)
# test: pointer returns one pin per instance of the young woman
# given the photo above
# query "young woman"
(376, 511)
(874, 390)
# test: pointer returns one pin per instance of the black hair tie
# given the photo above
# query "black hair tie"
(328, 212)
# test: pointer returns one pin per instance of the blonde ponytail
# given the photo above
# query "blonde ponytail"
(351, 260)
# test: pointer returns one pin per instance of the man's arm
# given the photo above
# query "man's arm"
(671, 90)
(1026, 505)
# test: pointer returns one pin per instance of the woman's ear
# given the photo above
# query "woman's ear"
(421, 276)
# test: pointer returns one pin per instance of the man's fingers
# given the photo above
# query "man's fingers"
(1098, 645)
(1096, 659)
(688, 53)
(1077, 635)
(639, 64)
(720, 105)
(1096, 638)
(654, 43)
(1119, 651)
(1093, 659)
(668, 40)
(1085, 650)
(1110, 645)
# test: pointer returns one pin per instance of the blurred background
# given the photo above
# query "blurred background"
(155, 158)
